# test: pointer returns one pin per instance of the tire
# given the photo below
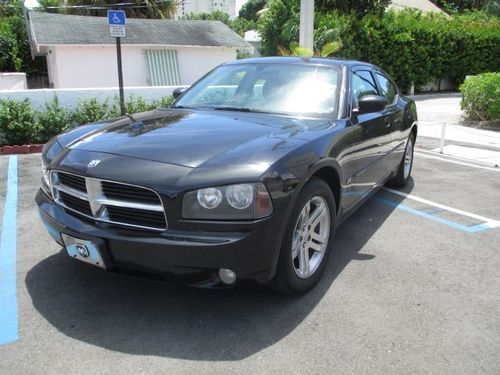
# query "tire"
(310, 246)
(404, 170)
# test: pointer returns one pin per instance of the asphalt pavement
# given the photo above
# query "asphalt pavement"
(413, 287)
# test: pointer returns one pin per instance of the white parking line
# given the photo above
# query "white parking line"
(490, 223)
(448, 160)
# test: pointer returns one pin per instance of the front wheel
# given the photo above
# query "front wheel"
(308, 239)
(404, 170)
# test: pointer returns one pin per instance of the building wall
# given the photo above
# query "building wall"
(95, 66)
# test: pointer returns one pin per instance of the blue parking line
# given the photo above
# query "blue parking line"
(465, 228)
(8, 289)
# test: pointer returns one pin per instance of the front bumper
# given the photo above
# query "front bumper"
(192, 256)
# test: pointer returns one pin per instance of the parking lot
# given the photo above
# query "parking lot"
(413, 287)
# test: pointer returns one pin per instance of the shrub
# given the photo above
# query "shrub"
(481, 96)
(53, 120)
(18, 124)
(164, 102)
(92, 110)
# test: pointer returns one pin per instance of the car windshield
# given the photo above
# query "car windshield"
(290, 89)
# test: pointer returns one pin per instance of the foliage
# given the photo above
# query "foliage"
(242, 25)
(481, 96)
(454, 6)
(138, 9)
(15, 53)
(279, 25)
(92, 110)
(53, 120)
(20, 124)
(249, 10)
(214, 16)
(10, 60)
(239, 25)
(414, 48)
(357, 7)
(17, 122)
(327, 50)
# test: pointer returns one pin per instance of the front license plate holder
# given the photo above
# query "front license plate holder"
(83, 250)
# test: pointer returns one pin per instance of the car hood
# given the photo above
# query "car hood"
(195, 138)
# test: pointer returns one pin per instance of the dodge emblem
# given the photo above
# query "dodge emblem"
(93, 163)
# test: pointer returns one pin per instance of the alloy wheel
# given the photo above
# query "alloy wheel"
(408, 158)
(310, 237)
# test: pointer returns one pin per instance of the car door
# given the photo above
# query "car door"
(372, 136)
(395, 114)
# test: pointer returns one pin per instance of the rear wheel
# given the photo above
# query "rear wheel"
(308, 239)
(404, 170)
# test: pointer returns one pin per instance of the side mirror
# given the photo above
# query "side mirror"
(178, 92)
(372, 103)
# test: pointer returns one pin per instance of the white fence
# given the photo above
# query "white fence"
(69, 97)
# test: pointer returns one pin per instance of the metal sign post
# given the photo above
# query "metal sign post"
(117, 30)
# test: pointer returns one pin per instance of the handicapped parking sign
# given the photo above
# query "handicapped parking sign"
(116, 21)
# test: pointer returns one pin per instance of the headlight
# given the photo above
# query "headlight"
(50, 151)
(232, 202)
(45, 172)
(209, 198)
(240, 196)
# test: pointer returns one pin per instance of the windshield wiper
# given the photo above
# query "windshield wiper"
(237, 109)
(246, 109)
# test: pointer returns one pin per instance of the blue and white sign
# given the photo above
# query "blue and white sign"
(116, 21)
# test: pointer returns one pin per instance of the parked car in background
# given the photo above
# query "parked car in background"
(245, 177)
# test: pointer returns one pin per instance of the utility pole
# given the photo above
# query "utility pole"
(306, 24)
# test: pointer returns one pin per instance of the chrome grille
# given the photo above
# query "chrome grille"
(109, 201)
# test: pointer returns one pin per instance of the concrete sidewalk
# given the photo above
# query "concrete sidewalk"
(461, 141)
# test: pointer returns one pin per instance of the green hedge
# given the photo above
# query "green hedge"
(481, 97)
(21, 124)
(412, 47)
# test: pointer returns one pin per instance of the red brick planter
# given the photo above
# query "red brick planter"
(23, 149)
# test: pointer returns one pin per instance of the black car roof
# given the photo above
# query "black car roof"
(299, 60)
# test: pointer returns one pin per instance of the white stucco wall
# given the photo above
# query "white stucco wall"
(13, 81)
(95, 66)
(69, 98)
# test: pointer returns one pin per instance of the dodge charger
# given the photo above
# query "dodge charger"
(244, 178)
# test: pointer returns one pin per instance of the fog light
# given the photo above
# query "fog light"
(227, 276)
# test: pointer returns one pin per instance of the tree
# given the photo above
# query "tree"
(239, 25)
(327, 50)
(279, 25)
(15, 52)
(249, 10)
(214, 16)
(358, 7)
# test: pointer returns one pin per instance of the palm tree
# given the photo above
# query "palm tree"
(327, 50)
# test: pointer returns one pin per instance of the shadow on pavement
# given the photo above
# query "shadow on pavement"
(136, 316)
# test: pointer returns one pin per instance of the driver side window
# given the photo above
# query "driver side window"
(363, 84)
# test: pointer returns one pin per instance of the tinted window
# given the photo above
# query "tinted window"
(388, 88)
(362, 84)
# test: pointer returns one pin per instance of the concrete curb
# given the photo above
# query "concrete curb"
(22, 149)
(440, 95)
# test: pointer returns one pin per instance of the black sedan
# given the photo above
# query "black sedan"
(245, 177)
